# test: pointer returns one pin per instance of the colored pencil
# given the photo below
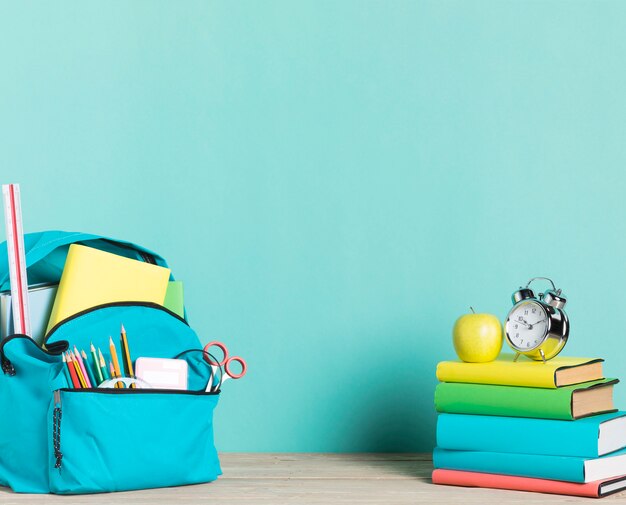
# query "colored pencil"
(92, 377)
(103, 367)
(96, 367)
(74, 382)
(126, 359)
(67, 373)
(116, 363)
(79, 374)
(82, 366)
(70, 365)
(79, 370)
(114, 375)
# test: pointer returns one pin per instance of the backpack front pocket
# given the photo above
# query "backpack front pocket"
(122, 439)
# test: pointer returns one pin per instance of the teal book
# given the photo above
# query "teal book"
(564, 468)
(590, 437)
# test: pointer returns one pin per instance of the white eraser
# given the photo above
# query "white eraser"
(162, 373)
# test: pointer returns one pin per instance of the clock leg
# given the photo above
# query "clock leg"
(517, 355)
(543, 356)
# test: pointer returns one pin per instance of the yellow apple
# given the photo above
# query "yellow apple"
(477, 337)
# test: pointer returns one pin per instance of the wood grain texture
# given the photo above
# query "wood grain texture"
(313, 479)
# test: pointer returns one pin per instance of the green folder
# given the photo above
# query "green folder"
(174, 298)
(513, 401)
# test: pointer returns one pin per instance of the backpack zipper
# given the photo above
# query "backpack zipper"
(7, 366)
(145, 256)
(56, 429)
(107, 305)
(138, 391)
(56, 348)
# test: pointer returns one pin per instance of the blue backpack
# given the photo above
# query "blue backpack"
(67, 441)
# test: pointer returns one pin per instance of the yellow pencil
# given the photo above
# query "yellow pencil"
(128, 362)
(79, 372)
(115, 362)
(80, 369)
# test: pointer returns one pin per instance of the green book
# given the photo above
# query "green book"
(565, 403)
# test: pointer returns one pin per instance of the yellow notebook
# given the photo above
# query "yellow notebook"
(504, 371)
(92, 277)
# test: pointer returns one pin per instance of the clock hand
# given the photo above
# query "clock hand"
(521, 321)
(541, 320)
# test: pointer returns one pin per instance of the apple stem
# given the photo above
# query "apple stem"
(472, 309)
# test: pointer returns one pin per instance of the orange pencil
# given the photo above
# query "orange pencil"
(115, 362)
(114, 375)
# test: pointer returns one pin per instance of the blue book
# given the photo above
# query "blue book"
(565, 468)
(590, 437)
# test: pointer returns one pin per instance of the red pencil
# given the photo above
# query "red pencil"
(73, 375)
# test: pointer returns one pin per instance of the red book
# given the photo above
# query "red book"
(596, 489)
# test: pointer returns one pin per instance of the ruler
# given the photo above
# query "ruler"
(17, 258)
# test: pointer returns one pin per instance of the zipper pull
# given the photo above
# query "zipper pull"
(56, 429)
(7, 366)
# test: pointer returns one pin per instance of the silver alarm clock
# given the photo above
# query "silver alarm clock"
(537, 326)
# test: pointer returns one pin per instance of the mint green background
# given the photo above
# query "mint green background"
(335, 182)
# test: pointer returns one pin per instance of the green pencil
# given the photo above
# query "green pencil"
(103, 366)
(96, 367)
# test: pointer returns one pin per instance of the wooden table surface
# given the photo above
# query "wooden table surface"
(317, 479)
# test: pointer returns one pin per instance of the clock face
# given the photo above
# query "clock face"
(527, 325)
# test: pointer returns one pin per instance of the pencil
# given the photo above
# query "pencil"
(96, 367)
(116, 363)
(114, 375)
(79, 370)
(69, 368)
(67, 373)
(79, 374)
(103, 367)
(92, 377)
(82, 366)
(128, 362)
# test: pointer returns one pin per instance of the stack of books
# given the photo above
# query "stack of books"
(529, 426)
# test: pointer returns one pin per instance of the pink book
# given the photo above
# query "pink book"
(596, 489)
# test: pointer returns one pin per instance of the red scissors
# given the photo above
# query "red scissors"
(226, 363)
